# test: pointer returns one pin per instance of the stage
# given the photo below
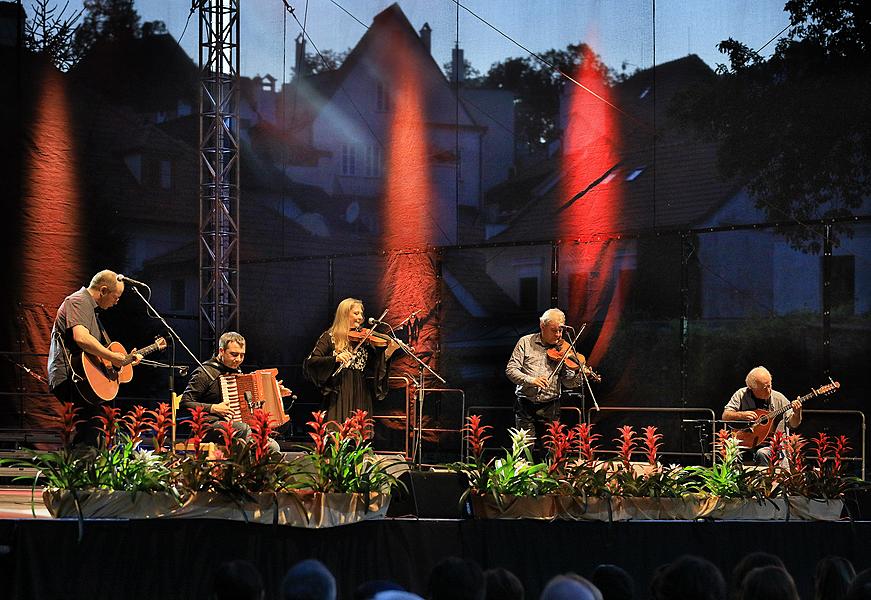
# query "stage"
(43, 558)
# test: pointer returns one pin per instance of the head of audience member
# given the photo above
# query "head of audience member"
(368, 589)
(455, 578)
(237, 580)
(308, 580)
(396, 595)
(860, 587)
(832, 578)
(502, 584)
(690, 578)
(768, 583)
(614, 582)
(570, 587)
(751, 561)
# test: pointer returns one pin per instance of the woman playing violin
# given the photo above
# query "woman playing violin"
(343, 345)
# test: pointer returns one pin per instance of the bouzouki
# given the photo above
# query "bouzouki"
(100, 379)
(756, 432)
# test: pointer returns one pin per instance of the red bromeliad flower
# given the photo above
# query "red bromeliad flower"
(723, 437)
(628, 442)
(363, 426)
(776, 445)
(228, 433)
(476, 435)
(137, 422)
(841, 447)
(70, 421)
(199, 426)
(318, 431)
(558, 443)
(260, 432)
(162, 418)
(652, 443)
(108, 424)
(794, 446)
(584, 440)
(820, 450)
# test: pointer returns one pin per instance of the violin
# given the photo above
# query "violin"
(374, 339)
(573, 360)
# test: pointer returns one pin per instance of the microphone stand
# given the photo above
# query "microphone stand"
(177, 338)
(421, 389)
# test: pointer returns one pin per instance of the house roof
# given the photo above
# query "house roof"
(643, 179)
(148, 73)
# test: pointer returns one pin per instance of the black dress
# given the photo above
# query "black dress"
(356, 386)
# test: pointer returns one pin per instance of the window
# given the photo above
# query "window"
(382, 98)
(374, 161)
(842, 291)
(528, 294)
(635, 174)
(166, 174)
(177, 294)
(349, 159)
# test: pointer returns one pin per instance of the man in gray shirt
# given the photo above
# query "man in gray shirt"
(759, 394)
(537, 396)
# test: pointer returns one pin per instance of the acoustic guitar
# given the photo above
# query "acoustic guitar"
(756, 432)
(101, 380)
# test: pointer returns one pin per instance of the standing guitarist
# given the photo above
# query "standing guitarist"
(76, 329)
(759, 395)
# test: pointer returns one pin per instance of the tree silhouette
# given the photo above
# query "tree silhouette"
(797, 125)
(50, 32)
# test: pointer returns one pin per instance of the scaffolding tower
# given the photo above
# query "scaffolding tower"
(218, 170)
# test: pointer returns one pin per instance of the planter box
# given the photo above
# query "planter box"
(110, 504)
(685, 508)
(298, 509)
(515, 507)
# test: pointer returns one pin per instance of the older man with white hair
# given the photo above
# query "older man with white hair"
(539, 386)
(758, 394)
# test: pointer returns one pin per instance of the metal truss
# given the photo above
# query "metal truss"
(219, 170)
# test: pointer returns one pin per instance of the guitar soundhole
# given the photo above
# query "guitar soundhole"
(763, 421)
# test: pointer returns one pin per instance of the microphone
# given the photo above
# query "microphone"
(182, 371)
(373, 321)
(126, 279)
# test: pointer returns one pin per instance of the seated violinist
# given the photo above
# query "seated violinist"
(346, 389)
(540, 379)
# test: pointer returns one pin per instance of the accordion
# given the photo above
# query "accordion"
(248, 392)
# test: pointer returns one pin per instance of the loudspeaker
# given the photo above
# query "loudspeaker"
(430, 495)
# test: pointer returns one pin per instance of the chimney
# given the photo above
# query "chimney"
(426, 36)
(458, 70)
(299, 66)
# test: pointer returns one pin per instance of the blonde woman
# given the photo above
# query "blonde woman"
(349, 389)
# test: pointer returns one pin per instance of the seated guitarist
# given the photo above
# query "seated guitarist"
(77, 328)
(759, 395)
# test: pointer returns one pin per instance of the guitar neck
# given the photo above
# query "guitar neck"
(823, 391)
(144, 352)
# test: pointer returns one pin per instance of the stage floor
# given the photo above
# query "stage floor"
(15, 503)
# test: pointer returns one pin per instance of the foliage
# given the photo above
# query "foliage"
(538, 84)
(514, 474)
(50, 32)
(105, 20)
(809, 158)
(324, 62)
(343, 459)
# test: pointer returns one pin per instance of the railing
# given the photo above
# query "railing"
(857, 413)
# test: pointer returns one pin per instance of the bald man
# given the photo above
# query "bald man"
(76, 329)
(759, 394)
